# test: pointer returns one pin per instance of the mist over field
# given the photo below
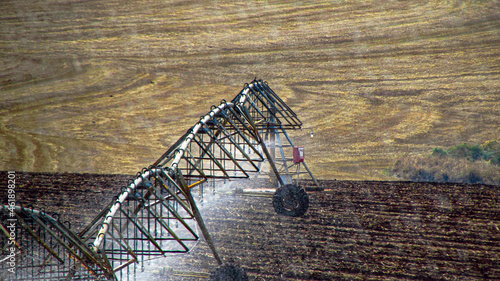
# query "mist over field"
(108, 86)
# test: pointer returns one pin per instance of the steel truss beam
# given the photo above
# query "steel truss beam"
(155, 213)
(39, 246)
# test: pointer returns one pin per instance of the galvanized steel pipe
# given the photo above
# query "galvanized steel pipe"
(131, 188)
(116, 206)
(194, 131)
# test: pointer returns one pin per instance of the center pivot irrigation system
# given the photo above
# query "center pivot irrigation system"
(156, 213)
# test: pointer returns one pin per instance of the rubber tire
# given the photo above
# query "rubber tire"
(229, 272)
(291, 200)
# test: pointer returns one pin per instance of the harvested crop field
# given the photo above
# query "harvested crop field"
(107, 86)
(366, 230)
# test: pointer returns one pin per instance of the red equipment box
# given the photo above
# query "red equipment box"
(298, 154)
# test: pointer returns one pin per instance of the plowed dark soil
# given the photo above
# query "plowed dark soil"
(353, 229)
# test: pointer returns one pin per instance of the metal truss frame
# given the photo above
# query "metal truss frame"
(155, 213)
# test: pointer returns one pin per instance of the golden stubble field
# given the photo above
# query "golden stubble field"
(108, 86)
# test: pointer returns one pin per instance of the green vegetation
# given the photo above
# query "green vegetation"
(463, 163)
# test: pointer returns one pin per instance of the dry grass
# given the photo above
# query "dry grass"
(108, 86)
(432, 168)
(463, 163)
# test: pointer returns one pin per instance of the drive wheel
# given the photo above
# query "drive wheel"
(291, 200)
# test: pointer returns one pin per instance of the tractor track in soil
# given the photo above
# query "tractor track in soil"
(366, 230)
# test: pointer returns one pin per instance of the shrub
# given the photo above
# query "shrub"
(489, 151)
(493, 149)
(439, 152)
(470, 152)
(462, 163)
